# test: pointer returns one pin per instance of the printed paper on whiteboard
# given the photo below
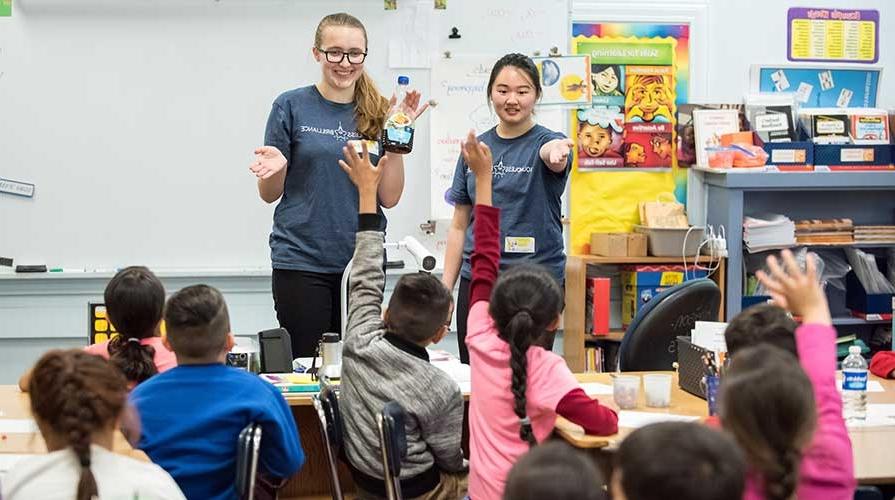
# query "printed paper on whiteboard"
(565, 80)
(459, 85)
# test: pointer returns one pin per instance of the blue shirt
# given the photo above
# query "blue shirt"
(315, 222)
(191, 417)
(528, 194)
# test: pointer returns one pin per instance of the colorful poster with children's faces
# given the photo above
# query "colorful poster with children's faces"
(600, 138)
(649, 97)
(564, 80)
(648, 145)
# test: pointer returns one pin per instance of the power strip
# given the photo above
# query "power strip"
(716, 246)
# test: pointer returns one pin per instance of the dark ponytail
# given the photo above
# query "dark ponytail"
(73, 396)
(767, 404)
(135, 300)
(526, 300)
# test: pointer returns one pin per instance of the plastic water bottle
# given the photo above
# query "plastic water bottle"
(397, 136)
(854, 385)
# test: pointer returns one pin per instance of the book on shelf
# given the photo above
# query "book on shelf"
(593, 359)
(596, 306)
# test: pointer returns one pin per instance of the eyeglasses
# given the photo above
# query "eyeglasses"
(337, 56)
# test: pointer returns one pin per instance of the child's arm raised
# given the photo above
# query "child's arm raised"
(367, 278)
(486, 252)
(830, 454)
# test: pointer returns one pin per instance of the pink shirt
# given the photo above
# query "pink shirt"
(164, 359)
(827, 469)
(494, 440)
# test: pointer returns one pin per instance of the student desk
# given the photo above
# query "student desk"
(14, 405)
(872, 446)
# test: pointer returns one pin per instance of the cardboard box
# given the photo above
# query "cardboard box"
(618, 244)
(641, 283)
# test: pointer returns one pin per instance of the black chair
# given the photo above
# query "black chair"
(649, 342)
(868, 493)
(326, 402)
(393, 441)
(247, 461)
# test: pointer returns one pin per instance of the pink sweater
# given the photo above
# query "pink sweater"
(827, 470)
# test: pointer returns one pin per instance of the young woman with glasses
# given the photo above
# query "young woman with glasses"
(315, 221)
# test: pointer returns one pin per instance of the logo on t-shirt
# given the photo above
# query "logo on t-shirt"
(500, 169)
(338, 134)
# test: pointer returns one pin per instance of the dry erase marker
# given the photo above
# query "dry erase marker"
(66, 270)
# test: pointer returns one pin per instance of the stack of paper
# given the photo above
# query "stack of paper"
(709, 335)
(875, 234)
(767, 232)
(825, 231)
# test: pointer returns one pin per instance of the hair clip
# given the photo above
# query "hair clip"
(525, 421)
(133, 339)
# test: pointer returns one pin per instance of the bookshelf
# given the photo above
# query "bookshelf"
(574, 335)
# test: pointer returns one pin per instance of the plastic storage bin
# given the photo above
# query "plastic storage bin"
(667, 242)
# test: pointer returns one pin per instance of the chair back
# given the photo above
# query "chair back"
(247, 461)
(393, 441)
(650, 341)
(326, 402)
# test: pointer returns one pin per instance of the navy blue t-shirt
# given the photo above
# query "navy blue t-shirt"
(315, 222)
(528, 195)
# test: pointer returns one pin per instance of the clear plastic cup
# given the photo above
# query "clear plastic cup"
(626, 390)
(657, 387)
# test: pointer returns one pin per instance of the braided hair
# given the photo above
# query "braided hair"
(767, 404)
(526, 300)
(73, 396)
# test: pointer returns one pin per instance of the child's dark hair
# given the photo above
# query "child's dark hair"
(680, 460)
(767, 404)
(419, 307)
(73, 395)
(525, 301)
(554, 471)
(518, 61)
(761, 324)
(135, 301)
(197, 322)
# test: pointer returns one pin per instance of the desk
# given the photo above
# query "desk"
(14, 405)
(871, 446)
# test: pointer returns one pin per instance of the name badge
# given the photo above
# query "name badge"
(372, 147)
(519, 244)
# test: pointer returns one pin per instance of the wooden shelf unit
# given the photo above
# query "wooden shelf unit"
(574, 335)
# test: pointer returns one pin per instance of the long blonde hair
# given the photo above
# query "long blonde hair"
(370, 106)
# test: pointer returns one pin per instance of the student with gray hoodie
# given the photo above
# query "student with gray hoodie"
(384, 359)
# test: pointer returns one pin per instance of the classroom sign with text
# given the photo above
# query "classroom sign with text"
(832, 35)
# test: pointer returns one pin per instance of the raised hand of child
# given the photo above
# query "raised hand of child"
(363, 174)
(795, 290)
(268, 162)
(477, 155)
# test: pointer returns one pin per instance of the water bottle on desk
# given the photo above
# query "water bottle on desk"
(854, 385)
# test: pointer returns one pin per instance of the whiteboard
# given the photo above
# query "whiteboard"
(136, 119)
